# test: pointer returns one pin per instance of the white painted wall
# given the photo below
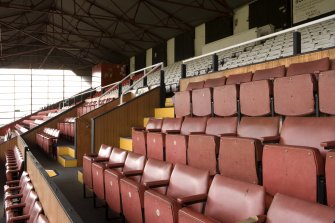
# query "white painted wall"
(200, 39)
(148, 59)
(132, 64)
(241, 19)
(170, 52)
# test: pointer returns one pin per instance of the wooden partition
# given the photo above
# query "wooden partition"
(83, 126)
(55, 206)
(30, 136)
(109, 127)
(274, 63)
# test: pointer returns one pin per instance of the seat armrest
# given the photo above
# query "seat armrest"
(12, 171)
(15, 206)
(19, 218)
(114, 165)
(138, 128)
(133, 173)
(192, 199)
(11, 182)
(328, 144)
(228, 134)
(172, 131)
(154, 130)
(100, 159)
(14, 196)
(91, 154)
(158, 183)
(270, 139)
(254, 219)
(13, 188)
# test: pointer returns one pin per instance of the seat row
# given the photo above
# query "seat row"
(67, 127)
(151, 190)
(14, 163)
(263, 93)
(92, 104)
(47, 140)
(21, 202)
(250, 150)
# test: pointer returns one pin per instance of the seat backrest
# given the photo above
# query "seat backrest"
(270, 73)
(41, 219)
(154, 123)
(117, 156)
(193, 124)
(258, 127)
(186, 181)
(232, 200)
(195, 85)
(134, 162)
(202, 102)
(255, 98)
(218, 126)
(294, 96)
(239, 78)
(29, 187)
(171, 124)
(215, 82)
(308, 131)
(327, 92)
(35, 211)
(290, 210)
(225, 100)
(155, 170)
(182, 103)
(292, 171)
(29, 201)
(104, 151)
(310, 67)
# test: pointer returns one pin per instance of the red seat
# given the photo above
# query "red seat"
(14, 212)
(139, 138)
(116, 158)
(239, 78)
(186, 183)
(215, 82)
(203, 148)
(176, 144)
(228, 200)
(240, 157)
(327, 92)
(310, 67)
(88, 159)
(330, 178)
(156, 140)
(132, 168)
(132, 192)
(292, 210)
(270, 73)
(225, 100)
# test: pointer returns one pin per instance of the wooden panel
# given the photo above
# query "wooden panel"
(4, 147)
(83, 127)
(21, 144)
(274, 63)
(29, 137)
(117, 123)
(52, 206)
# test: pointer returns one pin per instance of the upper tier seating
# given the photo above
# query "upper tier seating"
(132, 192)
(88, 159)
(47, 140)
(185, 183)
(67, 127)
(228, 200)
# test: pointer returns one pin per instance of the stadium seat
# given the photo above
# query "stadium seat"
(292, 210)
(215, 82)
(116, 158)
(225, 100)
(330, 178)
(88, 159)
(240, 157)
(12, 199)
(186, 185)
(195, 85)
(176, 142)
(22, 208)
(156, 140)
(269, 74)
(203, 148)
(132, 192)
(327, 92)
(139, 139)
(310, 67)
(132, 168)
(239, 78)
(228, 200)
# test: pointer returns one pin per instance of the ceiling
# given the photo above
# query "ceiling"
(76, 34)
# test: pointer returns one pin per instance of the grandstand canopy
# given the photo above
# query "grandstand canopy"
(76, 34)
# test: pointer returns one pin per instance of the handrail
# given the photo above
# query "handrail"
(262, 38)
(161, 64)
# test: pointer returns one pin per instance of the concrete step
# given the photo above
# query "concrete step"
(164, 112)
(67, 161)
(126, 143)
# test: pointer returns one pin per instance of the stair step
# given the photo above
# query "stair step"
(66, 150)
(67, 161)
(168, 102)
(80, 176)
(126, 143)
(164, 112)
